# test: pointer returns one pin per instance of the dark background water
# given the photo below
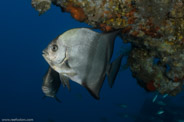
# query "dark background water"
(23, 36)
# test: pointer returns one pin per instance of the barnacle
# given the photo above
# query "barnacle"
(155, 28)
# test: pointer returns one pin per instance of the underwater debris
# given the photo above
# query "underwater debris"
(155, 28)
(41, 5)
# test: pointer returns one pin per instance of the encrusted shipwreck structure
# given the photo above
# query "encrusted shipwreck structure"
(155, 28)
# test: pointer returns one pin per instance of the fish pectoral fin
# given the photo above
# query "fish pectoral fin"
(112, 70)
(63, 84)
(71, 74)
(65, 81)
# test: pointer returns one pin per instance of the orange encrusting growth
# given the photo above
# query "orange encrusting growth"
(150, 30)
(176, 79)
(126, 29)
(130, 16)
(150, 86)
(105, 27)
(76, 12)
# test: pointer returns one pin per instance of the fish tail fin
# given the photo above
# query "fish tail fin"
(113, 69)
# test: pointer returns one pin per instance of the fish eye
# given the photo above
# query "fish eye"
(54, 48)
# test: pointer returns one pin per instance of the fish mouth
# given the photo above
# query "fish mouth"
(44, 52)
(45, 55)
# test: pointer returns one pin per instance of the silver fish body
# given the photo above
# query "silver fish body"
(83, 56)
(51, 83)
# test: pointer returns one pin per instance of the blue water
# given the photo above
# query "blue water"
(23, 36)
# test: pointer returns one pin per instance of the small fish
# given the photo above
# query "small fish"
(160, 112)
(164, 96)
(154, 99)
(51, 84)
(84, 56)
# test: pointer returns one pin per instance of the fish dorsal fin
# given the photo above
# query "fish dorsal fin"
(65, 81)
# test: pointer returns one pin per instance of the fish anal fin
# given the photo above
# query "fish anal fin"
(91, 91)
(95, 86)
(113, 69)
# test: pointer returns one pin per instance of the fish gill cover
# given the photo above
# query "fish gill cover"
(155, 29)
